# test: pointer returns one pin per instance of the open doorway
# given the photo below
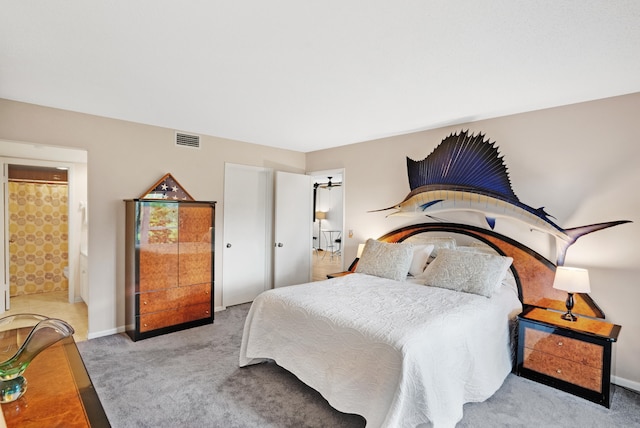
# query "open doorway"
(45, 233)
(328, 222)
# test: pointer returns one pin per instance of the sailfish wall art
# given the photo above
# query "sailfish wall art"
(466, 172)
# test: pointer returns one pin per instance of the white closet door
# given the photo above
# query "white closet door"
(246, 245)
(293, 229)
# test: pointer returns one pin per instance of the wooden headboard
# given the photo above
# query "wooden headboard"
(533, 273)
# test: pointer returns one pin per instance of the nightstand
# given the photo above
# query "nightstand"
(338, 274)
(572, 356)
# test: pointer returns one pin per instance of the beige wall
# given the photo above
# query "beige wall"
(581, 162)
(124, 160)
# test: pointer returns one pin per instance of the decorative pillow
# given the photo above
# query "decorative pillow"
(479, 244)
(438, 242)
(421, 254)
(470, 272)
(485, 249)
(386, 260)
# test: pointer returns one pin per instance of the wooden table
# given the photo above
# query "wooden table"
(59, 392)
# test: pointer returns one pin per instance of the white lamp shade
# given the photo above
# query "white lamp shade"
(360, 250)
(572, 280)
(321, 215)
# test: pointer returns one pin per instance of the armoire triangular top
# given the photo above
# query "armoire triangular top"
(167, 188)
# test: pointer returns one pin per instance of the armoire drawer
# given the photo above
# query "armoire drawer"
(175, 316)
(173, 298)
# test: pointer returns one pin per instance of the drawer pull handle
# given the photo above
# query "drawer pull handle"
(206, 312)
(560, 343)
(559, 371)
(144, 303)
(145, 324)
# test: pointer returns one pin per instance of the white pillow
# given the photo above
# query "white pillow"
(477, 249)
(438, 242)
(469, 272)
(386, 260)
(421, 255)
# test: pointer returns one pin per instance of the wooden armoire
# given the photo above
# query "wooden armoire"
(169, 266)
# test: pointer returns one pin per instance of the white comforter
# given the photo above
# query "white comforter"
(397, 353)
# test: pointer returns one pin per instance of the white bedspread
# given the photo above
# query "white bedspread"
(397, 353)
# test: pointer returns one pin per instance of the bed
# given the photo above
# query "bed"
(407, 350)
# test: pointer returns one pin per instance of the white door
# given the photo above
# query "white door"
(246, 242)
(292, 229)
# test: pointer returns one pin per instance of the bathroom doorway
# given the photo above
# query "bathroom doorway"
(45, 233)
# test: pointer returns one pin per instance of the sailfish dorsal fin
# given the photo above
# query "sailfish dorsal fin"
(463, 160)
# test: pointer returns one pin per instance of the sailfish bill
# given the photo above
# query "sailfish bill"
(466, 173)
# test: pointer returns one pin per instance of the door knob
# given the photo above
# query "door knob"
(280, 244)
(228, 245)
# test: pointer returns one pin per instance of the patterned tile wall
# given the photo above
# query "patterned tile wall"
(38, 237)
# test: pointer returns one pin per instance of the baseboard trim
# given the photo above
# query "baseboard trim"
(626, 383)
(123, 329)
(105, 333)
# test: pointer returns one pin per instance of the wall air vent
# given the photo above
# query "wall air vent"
(187, 140)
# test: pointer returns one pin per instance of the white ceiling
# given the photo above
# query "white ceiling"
(309, 75)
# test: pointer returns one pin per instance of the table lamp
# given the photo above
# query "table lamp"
(352, 267)
(360, 250)
(572, 280)
(320, 215)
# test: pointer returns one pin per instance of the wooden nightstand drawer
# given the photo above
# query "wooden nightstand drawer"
(581, 352)
(563, 369)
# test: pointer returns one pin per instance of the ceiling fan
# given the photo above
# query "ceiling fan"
(328, 185)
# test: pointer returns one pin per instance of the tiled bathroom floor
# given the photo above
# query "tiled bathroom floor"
(54, 305)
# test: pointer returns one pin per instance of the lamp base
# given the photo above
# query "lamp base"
(569, 303)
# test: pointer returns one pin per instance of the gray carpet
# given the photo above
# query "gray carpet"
(192, 379)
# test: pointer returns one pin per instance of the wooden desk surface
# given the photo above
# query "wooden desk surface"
(59, 392)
